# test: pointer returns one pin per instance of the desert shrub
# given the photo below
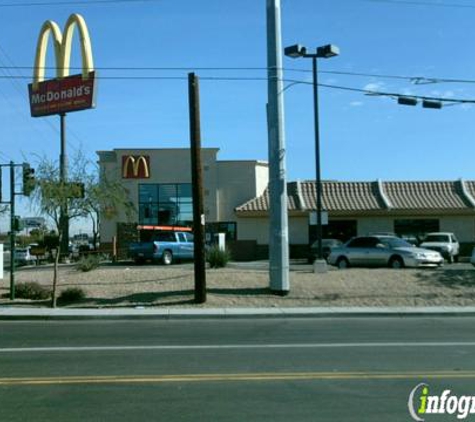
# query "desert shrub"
(71, 294)
(88, 263)
(217, 258)
(32, 290)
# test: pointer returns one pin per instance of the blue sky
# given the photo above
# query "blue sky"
(362, 137)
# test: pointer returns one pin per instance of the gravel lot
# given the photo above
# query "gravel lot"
(246, 285)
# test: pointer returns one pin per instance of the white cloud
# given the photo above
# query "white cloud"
(374, 86)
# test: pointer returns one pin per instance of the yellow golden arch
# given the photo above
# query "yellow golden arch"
(135, 166)
(62, 48)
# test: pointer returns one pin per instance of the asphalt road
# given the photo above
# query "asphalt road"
(360, 369)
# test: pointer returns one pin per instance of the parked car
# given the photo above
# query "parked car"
(23, 256)
(445, 243)
(382, 251)
(166, 247)
(472, 259)
(327, 246)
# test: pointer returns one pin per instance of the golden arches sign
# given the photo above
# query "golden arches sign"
(65, 93)
(140, 166)
(62, 48)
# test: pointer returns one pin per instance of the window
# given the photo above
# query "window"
(229, 228)
(167, 204)
(165, 237)
(335, 229)
(414, 230)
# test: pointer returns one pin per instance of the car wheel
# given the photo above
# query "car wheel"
(456, 258)
(396, 262)
(167, 257)
(342, 263)
(139, 261)
(450, 259)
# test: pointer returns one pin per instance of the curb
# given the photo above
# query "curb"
(230, 313)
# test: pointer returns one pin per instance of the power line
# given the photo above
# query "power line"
(388, 94)
(68, 3)
(291, 81)
(417, 80)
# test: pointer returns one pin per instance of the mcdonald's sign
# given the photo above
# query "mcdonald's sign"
(65, 93)
(135, 167)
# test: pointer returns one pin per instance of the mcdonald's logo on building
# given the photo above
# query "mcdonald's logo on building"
(66, 92)
(135, 167)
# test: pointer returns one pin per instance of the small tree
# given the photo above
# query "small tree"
(51, 195)
(101, 196)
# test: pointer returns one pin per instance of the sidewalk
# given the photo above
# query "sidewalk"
(15, 313)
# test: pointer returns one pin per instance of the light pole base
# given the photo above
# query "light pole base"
(320, 266)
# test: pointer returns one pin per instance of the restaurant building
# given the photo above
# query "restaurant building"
(236, 202)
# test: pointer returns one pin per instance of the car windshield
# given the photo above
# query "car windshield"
(395, 242)
(437, 238)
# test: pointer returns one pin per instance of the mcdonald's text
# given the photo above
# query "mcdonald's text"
(57, 96)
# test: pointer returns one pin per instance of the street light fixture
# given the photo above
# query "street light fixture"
(325, 52)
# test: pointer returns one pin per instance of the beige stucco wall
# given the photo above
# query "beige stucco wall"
(254, 228)
(237, 183)
(463, 227)
(298, 230)
(257, 228)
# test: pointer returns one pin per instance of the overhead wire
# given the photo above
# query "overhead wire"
(291, 81)
(417, 80)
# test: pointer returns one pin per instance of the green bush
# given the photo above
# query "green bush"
(217, 258)
(32, 290)
(72, 294)
(88, 263)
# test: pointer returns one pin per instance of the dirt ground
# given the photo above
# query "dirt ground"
(247, 285)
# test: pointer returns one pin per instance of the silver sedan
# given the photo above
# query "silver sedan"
(382, 251)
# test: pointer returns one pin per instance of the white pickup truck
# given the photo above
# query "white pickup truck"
(445, 243)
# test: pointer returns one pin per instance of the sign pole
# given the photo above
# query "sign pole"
(12, 230)
(197, 185)
(63, 176)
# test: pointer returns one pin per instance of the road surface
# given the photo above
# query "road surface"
(292, 369)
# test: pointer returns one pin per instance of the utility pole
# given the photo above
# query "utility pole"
(278, 214)
(197, 186)
(63, 177)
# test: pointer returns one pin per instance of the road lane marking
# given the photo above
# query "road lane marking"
(244, 377)
(233, 346)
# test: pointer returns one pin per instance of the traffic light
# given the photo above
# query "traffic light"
(28, 179)
(18, 224)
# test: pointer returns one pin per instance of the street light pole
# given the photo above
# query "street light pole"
(326, 51)
(317, 158)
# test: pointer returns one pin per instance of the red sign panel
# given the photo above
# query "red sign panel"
(135, 167)
(57, 96)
